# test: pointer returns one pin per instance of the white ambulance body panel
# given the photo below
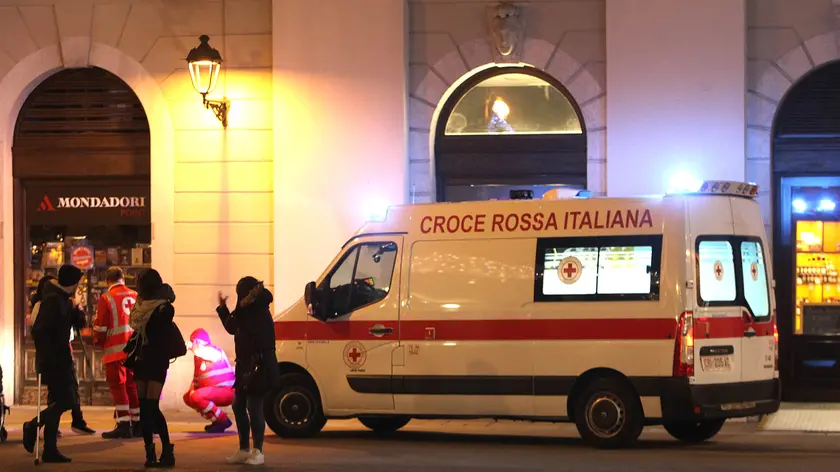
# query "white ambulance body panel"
(550, 310)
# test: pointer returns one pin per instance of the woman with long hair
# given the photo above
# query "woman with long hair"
(252, 327)
(151, 319)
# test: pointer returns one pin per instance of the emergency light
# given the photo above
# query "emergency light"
(725, 187)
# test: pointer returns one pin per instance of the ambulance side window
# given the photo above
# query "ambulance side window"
(606, 268)
(363, 277)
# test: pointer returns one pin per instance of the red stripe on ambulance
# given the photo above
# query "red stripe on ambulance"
(483, 330)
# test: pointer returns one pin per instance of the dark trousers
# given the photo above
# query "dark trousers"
(248, 410)
(78, 418)
(62, 394)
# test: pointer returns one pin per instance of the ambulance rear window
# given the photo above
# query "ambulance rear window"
(731, 271)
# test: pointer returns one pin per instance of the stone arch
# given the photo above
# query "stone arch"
(15, 87)
(471, 57)
(763, 102)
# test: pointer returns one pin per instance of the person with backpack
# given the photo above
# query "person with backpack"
(78, 424)
(252, 327)
(156, 341)
(57, 315)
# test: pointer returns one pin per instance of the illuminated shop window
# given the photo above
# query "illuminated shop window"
(513, 104)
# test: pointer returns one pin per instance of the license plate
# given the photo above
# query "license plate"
(737, 406)
(716, 363)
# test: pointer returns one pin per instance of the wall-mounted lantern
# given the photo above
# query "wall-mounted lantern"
(205, 62)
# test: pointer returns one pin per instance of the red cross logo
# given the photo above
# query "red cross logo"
(128, 304)
(718, 270)
(569, 270)
(754, 270)
(354, 355)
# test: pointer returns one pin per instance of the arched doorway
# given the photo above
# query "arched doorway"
(508, 128)
(806, 176)
(81, 170)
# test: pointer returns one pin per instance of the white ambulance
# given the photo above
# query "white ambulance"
(612, 313)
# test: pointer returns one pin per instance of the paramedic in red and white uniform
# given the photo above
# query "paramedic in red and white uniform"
(111, 330)
(212, 385)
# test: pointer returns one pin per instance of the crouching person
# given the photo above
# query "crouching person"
(212, 385)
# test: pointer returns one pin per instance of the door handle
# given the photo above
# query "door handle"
(750, 334)
(379, 330)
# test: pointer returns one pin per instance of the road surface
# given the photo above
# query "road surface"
(452, 446)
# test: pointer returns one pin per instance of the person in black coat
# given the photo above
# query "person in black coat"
(57, 315)
(252, 327)
(78, 425)
(152, 322)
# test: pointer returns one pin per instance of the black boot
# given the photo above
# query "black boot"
(151, 457)
(52, 455)
(122, 431)
(167, 457)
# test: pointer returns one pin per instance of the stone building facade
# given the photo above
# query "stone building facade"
(334, 107)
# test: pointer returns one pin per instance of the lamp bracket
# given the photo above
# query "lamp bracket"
(219, 107)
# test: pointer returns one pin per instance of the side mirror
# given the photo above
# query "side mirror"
(312, 299)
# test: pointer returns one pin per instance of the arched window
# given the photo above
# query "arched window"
(513, 103)
(508, 128)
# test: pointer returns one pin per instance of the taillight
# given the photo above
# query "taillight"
(684, 346)
(776, 340)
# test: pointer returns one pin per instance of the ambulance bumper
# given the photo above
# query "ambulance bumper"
(733, 400)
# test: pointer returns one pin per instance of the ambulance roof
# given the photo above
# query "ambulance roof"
(548, 217)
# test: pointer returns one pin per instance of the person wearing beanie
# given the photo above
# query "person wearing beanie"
(158, 342)
(57, 315)
(252, 327)
(78, 425)
(212, 385)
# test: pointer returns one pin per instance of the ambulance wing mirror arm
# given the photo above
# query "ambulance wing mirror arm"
(314, 303)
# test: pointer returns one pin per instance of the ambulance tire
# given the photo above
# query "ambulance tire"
(609, 414)
(384, 424)
(294, 409)
(694, 431)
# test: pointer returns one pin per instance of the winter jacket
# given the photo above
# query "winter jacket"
(252, 327)
(57, 316)
(153, 319)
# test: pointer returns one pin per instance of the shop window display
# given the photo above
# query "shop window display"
(93, 250)
(817, 278)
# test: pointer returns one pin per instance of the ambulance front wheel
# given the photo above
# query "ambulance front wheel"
(384, 424)
(294, 409)
(694, 431)
(608, 413)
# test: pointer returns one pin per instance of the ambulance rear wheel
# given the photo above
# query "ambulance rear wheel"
(384, 424)
(294, 409)
(694, 431)
(608, 414)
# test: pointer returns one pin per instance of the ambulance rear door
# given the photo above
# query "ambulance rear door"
(718, 312)
(759, 343)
